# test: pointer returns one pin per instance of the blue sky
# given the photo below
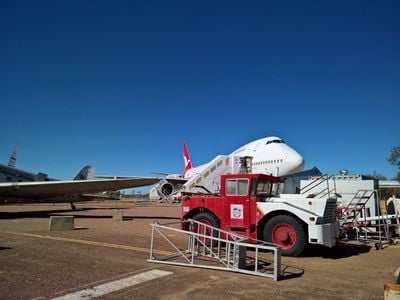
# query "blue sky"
(120, 84)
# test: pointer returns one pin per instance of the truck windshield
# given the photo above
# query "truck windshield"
(263, 188)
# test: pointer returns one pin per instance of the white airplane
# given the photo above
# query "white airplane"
(18, 185)
(270, 155)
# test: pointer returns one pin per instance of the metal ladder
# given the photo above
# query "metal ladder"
(354, 216)
(212, 248)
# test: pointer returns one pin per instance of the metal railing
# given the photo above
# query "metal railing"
(320, 180)
(212, 248)
(354, 216)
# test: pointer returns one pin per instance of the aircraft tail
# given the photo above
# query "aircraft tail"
(13, 158)
(87, 173)
(186, 159)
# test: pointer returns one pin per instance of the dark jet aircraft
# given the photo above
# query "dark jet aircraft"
(17, 185)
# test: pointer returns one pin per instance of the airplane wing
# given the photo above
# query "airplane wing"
(176, 180)
(49, 189)
(172, 180)
(114, 177)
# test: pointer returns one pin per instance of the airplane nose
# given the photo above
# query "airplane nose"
(297, 163)
(301, 163)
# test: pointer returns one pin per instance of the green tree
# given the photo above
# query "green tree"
(394, 158)
(378, 176)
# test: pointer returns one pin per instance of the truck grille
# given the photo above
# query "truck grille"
(330, 211)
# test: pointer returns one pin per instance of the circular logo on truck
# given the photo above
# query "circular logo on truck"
(236, 211)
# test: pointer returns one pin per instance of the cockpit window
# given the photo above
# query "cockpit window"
(275, 142)
(263, 188)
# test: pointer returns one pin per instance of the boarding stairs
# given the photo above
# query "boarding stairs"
(204, 246)
(354, 216)
(356, 222)
(209, 178)
(314, 189)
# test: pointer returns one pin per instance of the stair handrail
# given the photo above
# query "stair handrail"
(321, 179)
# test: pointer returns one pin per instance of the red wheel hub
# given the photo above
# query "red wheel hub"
(284, 235)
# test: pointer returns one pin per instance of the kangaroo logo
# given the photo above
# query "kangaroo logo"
(186, 160)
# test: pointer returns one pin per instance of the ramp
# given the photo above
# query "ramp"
(204, 246)
(209, 177)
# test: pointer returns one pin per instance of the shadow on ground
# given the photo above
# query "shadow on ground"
(39, 214)
(289, 272)
(5, 248)
(341, 250)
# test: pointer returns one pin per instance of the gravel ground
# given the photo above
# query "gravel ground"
(37, 263)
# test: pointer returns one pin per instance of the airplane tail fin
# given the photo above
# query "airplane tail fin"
(13, 157)
(186, 159)
(87, 173)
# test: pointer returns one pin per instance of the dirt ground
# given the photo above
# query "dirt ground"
(36, 263)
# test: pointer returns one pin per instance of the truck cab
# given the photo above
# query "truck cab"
(249, 205)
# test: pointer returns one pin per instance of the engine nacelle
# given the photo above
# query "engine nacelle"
(161, 190)
(165, 189)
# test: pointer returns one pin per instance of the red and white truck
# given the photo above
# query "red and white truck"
(247, 205)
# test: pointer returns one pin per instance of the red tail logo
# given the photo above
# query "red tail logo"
(186, 159)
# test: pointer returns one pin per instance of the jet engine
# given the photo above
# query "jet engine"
(165, 189)
(161, 190)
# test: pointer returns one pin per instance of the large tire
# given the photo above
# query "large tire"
(287, 232)
(209, 219)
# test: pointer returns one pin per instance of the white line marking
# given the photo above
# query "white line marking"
(113, 286)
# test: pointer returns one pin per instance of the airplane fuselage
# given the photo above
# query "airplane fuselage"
(10, 174)
(271, 155)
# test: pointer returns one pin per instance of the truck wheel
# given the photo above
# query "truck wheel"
(287, 232)
(208, 219)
